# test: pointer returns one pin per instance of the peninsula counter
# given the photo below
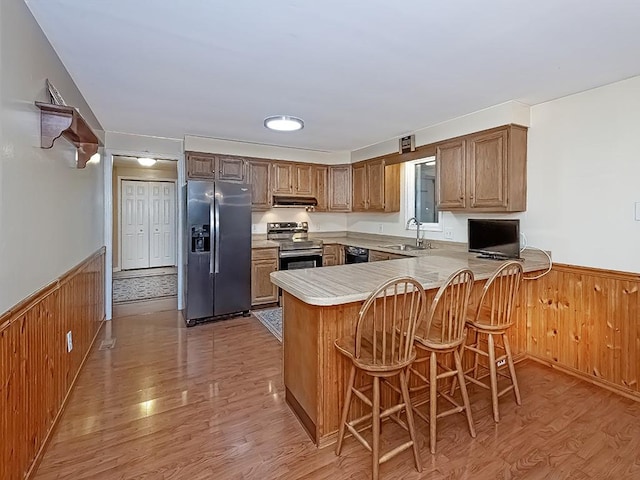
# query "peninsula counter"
(322, 304)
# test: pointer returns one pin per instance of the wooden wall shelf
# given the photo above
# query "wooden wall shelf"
(65, 121)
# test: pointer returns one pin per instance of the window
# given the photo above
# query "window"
(420, 187)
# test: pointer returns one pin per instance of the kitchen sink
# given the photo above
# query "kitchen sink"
(406, 246)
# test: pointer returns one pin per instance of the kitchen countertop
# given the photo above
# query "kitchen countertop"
(342, 284)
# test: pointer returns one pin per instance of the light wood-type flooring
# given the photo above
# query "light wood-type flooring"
(207, 402)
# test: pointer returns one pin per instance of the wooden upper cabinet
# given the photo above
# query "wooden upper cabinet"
(259, 176)
(376, 187)
(229, 168)
(321, 187)
(293, 179)
(303, 179)
(484, 172)
(450, 175)
(282, 178)
(339, 199)
(359, 174)
(487, 170)
(200, 165)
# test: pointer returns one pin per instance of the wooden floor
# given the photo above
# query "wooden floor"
(207, 403)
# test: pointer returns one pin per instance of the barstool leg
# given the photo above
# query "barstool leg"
(433, 400)
(512, 368)
(494, 377)
(476, 357)
(376, 427)
(345, 408)
(404, 386)
(465, 395)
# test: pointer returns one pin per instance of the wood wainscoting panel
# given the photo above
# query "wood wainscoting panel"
(587, 322)
(36, 371)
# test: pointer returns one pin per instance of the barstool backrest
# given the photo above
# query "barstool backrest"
(498, 298)
(445, 321)
(387, 322)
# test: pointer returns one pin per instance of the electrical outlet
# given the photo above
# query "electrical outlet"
(380, 228)
(254, 228)
(637, 211)
(501, 362)
(448, 233)
(69, 341)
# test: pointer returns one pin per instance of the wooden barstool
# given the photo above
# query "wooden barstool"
(443, 332)
(492, 317)
(382, 347)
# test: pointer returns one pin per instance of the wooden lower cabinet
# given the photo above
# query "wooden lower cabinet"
(263, 262)
(332, 255)
(376, 256)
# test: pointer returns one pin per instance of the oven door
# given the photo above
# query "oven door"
(294, 259)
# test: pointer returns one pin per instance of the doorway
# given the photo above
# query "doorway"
(145, 231)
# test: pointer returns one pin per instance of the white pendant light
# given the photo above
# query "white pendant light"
(283, 123)
(146, 161)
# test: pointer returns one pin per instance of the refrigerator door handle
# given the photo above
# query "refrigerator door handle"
(211, 225)
(217, 235)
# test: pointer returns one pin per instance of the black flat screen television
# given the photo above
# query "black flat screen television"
(499, 239)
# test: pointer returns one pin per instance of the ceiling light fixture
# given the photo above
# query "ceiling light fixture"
(283, 123)
(146, 161)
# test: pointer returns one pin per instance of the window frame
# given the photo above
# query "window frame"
(410, 196)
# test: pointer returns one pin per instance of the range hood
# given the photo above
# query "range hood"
(290, 201)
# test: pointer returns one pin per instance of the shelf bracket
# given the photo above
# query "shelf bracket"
(63, 121)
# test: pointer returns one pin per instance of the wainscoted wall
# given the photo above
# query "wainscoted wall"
(587, 322)
(36, 372)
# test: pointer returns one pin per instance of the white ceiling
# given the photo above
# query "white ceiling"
(357, 72)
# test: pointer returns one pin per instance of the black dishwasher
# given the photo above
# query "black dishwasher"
(356, 255)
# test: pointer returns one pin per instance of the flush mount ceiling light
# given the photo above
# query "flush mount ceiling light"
(146, 161)
(283, 123)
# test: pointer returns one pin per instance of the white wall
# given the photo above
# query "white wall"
(50, 212)
(584, 177)
(318, 221)
(159, 147)
(503, 114)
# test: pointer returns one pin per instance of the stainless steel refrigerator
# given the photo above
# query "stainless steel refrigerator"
(218, 280)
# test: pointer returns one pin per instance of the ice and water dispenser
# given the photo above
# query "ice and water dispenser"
(200, 239)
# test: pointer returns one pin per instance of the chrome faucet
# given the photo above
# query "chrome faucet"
(417, 223)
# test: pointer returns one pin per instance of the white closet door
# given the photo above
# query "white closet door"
(135, 224)
(162, 224)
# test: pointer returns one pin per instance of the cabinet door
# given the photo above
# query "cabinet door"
(230, 169)
(375, 185)
(262, 290)
(259, 176)
(330, 255)
(376, 256)
(321, 187)
(340, 188)
(359, 173)
(282, 178)
(450, 176)
(329, 260)
(200, 165)
(487, 170)
(303, 176)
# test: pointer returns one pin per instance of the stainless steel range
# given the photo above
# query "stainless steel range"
(297, 250)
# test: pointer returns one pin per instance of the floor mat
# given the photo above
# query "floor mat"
(144, 288)
(272, 319)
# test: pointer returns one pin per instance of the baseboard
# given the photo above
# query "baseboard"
(45, 442)
(588, 378)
